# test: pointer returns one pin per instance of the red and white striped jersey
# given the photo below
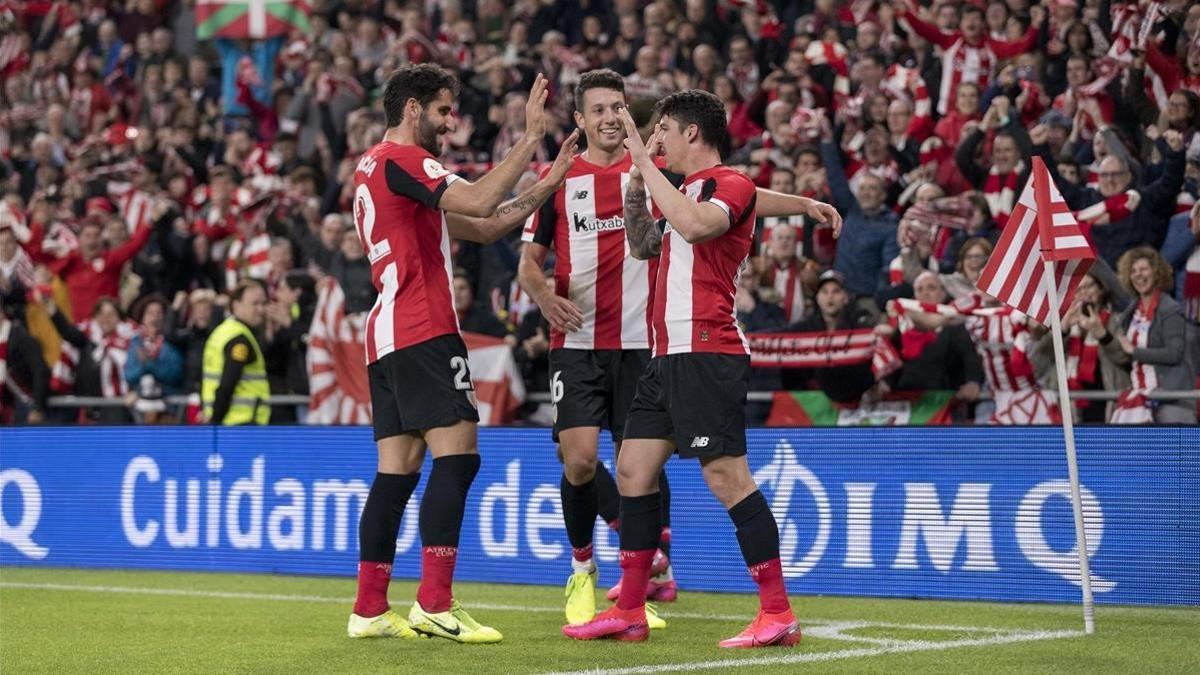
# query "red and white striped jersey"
(786, 280)
(585, 223)
(692, 309)
(965, 62)
(134, 205)
(1001, 337)
(404, 233)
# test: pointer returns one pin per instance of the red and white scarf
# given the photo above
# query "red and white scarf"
(248, 259)
(835, 55)
(786, 280)
(1133, 406)
(1083, 357)
(1108, 210)
(1191, 286)
(109, 353)
(1000, 191)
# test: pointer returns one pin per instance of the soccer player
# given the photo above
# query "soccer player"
(692, 397)
(407, 206)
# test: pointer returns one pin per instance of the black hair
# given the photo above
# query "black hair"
(602, 78)
(702, 108)
(422, 82)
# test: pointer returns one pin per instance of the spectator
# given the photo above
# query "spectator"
(234, 389)
(868, 240)
(474, 317)
(645, 84)
(1182, 250)
(1152, 339)
(1144, 225)
(532, 353)
(353, 273)
(1089, 367)
(289, 316)
(788, 273)
(24, 378)
(93, 271)
(190, 320)
(936, 354)
(962, 284)
(834, 311)
(92, 358)
(153, 367)
(1004, 175)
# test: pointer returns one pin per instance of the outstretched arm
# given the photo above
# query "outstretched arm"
(481, 198)
(772, 203)
(515, 211)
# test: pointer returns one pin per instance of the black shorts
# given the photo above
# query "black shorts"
(594, 388)
(424, 386)
(697, 401)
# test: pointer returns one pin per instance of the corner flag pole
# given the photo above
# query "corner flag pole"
(1041, 192)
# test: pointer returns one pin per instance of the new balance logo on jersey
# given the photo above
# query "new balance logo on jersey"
(700, 442)
(581, 194)
(584, 224)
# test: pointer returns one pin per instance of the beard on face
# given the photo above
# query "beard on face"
(428, 136)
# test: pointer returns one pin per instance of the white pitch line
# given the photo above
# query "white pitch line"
(818, 657)
(280, 597)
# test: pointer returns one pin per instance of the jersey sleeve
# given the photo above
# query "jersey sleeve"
(539, 226)
(733, 192)
(419, 176)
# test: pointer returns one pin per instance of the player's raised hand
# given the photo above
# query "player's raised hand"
(535, 108)
(564, 161)
(633, 139)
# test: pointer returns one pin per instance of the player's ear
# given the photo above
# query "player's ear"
(579, 119)
(412, 108)
(692, 132)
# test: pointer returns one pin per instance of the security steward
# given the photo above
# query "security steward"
(234, 389)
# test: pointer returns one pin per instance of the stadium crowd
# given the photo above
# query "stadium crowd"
(144, 172)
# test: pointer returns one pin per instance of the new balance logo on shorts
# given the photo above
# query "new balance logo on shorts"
(700, 442)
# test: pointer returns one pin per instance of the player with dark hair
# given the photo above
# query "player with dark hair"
(599, 323)
(691, 398)
(407, 207)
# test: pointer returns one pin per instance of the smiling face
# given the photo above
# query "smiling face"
(676, 141)
(1141, 276)
(599, 119)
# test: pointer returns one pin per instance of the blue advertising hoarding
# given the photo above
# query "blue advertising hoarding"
(966, 513)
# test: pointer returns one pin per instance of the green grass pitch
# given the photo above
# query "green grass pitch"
(77, 621)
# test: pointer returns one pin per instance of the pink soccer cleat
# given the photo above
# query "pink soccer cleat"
(614, 623)
(665, 591)
(767, 630)
(656, 591)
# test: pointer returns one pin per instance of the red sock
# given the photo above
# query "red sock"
(437, 576)
(772, 596)
(582, 554)
(373, 578)
(635, 568)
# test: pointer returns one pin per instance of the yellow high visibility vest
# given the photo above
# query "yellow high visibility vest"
(249, 405)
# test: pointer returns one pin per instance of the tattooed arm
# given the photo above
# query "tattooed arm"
(645, 240)
(514, 212)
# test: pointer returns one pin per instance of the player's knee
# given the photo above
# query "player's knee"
(579, 466)
(727, 482)
(632, 481)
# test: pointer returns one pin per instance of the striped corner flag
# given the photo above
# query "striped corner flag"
(250, 19)
(1041, 222)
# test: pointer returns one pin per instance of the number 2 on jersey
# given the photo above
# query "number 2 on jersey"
(462, 374)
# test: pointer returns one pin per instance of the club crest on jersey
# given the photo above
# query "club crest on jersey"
(434, 168)
(584, 224)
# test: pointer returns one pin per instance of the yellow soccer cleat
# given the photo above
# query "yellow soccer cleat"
(653, 620)
(454, 624)
(581, 597)
(388, 624)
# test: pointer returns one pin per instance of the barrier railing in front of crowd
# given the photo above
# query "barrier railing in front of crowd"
(544, 397)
